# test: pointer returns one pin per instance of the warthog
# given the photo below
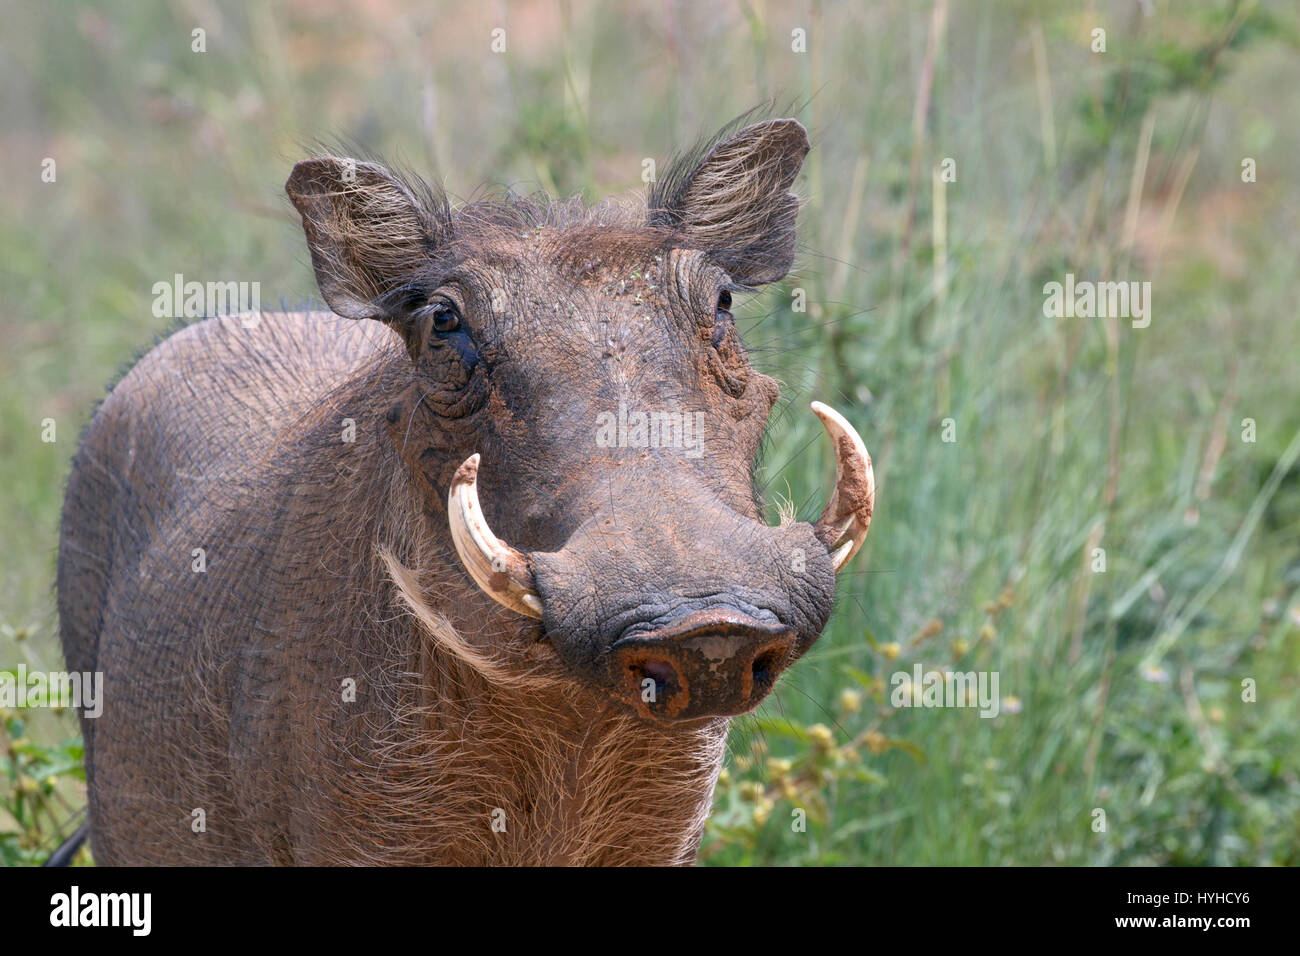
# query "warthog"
(280, 537)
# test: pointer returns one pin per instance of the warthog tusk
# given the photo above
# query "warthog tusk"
(502, 572)
(843, 525)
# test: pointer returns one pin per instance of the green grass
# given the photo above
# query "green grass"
(1071, 434)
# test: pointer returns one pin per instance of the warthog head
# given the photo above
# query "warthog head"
(580, 391)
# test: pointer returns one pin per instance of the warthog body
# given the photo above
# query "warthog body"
(303, 661)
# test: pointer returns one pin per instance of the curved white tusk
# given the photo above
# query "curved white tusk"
(502, 572)
(843, 525)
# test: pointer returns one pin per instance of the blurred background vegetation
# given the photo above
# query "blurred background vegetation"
(1122, 689)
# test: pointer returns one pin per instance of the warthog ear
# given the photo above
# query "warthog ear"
(735, 202)
(368, 233)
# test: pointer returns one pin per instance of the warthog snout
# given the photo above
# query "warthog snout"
(670, 600)
(716, 662)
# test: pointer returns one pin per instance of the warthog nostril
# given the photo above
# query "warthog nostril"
(764, 670)
(664, 677)
(666, 680)
(710, 663)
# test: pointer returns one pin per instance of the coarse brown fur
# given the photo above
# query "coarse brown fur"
(255, 550)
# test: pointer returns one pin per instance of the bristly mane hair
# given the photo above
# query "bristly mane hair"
(508, 209)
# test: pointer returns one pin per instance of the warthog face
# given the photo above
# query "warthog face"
(580, 390)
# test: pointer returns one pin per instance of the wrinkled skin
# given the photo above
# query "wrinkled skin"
(473, 734)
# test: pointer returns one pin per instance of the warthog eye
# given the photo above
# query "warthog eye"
(448, 329)
(445, 315)
(445, 318)
(724, 304)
